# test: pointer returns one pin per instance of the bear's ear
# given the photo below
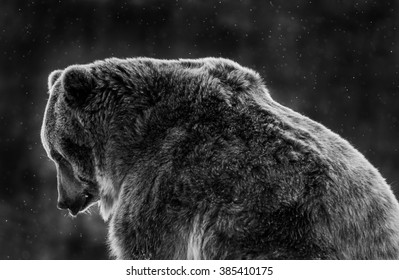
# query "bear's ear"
(78, 83)
(53, 77)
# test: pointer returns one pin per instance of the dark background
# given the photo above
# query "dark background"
(334, 61)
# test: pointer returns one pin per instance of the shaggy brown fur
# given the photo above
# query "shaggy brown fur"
(192, 159)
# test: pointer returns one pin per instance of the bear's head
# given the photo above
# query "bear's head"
(67, 136)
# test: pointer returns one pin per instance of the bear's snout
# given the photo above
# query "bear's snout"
(74, 206)
(62, 205)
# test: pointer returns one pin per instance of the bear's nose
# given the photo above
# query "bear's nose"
(62, 204)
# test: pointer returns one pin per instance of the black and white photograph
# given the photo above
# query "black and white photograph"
(199, 130)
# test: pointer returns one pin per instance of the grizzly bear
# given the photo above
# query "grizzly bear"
(193, 159)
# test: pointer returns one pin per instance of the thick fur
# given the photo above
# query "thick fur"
(192, 159)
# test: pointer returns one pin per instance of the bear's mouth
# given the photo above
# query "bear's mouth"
(88, 199)
(84, 203)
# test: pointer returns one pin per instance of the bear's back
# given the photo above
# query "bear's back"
(234, 174)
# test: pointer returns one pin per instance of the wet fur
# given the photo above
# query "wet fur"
(194, 160)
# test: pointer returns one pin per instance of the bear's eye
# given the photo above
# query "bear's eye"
(57, 157)
(84, 180)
